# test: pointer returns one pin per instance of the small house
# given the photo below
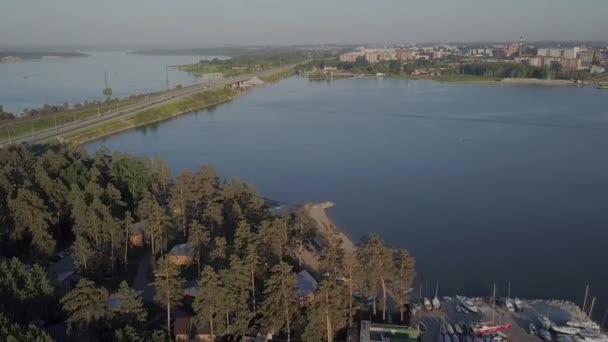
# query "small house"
(186, 330)
(181, 255)
(307, 286)
(137, 234)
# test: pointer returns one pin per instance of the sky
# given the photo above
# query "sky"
(199, 23)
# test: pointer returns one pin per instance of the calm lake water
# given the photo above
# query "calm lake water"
(33, 83)
(481, 183)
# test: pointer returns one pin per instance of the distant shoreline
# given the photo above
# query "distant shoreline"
(39, 55)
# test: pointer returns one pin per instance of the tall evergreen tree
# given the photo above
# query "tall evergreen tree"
(236, 288)
(280, 298)
(85, 304)
(130, 308)
(32, 222)
(168, 284)
(209, 301)
(182, 200)
(247, 247)
(328, 313)
(378, 264)
(403, 279)
(198, 240)
(157, 222)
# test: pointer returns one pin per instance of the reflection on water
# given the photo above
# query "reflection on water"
(482, 183)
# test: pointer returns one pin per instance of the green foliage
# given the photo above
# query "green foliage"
(243, 64)
(403, 279)
(127, 334)
(168, 284)
(280, 298)
(158, 224)
(107, 91)
(26, 292)
(13, 332)
(210, 301)
(5, 115)
(505, 70)
(328, 313)
(130, 309)
(377, 260)
(85, 305)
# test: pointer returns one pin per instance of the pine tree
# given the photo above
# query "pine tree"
(328, 313)
(130, 308)
(158, 224)
(209, 301)
(246, 245)
(198, 240)
(182, 199)
(404, 279)
(236, 288)
(32, 221)
(220, 250)
(85, 304)
(280, 298)
(127, 334)
(168, 284)
(13, 332)
(378, 264)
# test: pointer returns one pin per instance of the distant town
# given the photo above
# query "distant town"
(551, 63)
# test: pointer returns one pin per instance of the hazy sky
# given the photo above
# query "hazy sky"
(238, 22)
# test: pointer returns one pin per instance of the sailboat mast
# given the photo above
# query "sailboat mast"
(105, 78)
(436, 289)
(493, 302)
(591, 309)
(509, 291)
(585, 300)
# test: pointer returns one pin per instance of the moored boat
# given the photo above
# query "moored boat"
(450, 329)
(443, 329)
(533, 330)
(545, 322)
(457, 328)
(427, 304)
(566, 330)
(509, 305)
(490, 328)
(544, 334)
(436, 303)
(467, 304)
(519, 305)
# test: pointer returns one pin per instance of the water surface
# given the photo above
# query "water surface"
(481, 183)
(33, 83)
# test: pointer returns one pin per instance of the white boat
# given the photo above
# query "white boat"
(533, 330)
(457, 328)
(464, 310)
(458, 308)
(427, 304)
(566, 330)
(450, 329)
(443, 329)
(544, 334)
(467, 304)
(509, 305)
(595, 336)
(519, 305)
(589, 325)
(436, 303)
(545, 322)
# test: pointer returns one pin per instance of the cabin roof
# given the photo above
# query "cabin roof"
(307, 285)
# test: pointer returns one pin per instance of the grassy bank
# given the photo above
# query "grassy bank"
(273, 78)
(203, 99)
(23, 127)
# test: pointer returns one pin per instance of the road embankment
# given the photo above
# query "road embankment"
(200, 100)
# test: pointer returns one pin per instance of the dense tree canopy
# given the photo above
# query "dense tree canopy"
(61, 201)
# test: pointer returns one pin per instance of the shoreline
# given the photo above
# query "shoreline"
(123, 124)
(465, 80)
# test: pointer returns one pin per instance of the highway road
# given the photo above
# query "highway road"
(167, 96)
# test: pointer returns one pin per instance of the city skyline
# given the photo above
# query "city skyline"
(220, 23)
